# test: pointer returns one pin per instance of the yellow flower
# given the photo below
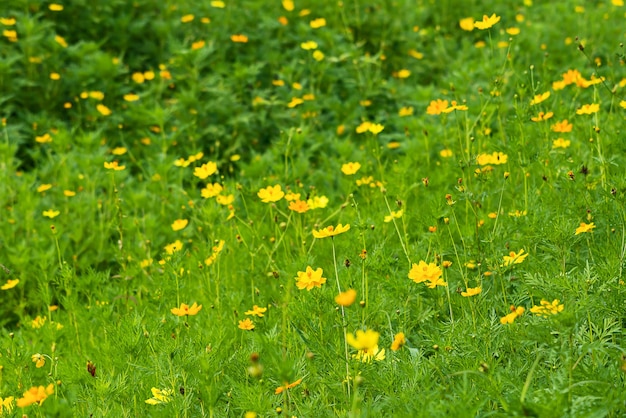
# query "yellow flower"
(291, 196)
(55, 7)
(346, 298)
(398, 341)
(562, 126)
(547, 308)
(239, 38)
(467, 24)
(295, 101)
(513, 31)
(174, 247)
(317, 23)
(205, 170)
(516, 312)
(317, 202)
(186, 310)
(7, 21)
(496, 158)
(256, 311)
(246, 325)
(393, 215)
(487, 22)
(350, 168)
(436, 107)
(218, 4)
(119, 151)
(36, 394)
(318, 55)
(288, 5)
(561, 143)
(179, 224)
(160, 396)
(331, 231)
(6, 404)
(308, 45)
(310, 278)
(44, 187)
(299, 206)
(542, 116)
(454, 106)
(114, 166)
(514, 258)
(39, 360)
(367, 345)
(423, 272)
(55, 76)
(540, 98)
(363, 127)
(446, 153)
(471, 291)
(375, 128)
(415, 54)
(104, 111)
(623, 104)
(225, 200)
(584, 228)
(131, 97)
(45, 138)
(51, 213)
(405, 111)
(38, 322)
(404, 73)
(588, 109)
(187, 18)
(10, 284)
(271, 194)
(211, 190)
(287, 386)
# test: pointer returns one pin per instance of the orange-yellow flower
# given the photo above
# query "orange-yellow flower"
(398, 341)
(317, 23)
(350, 168)
(114, 166)
(539, 98)
(584, 227)
(39, 360)
(179, 224)
(186, 310)
(514, 258)
(299, 206)
(515, 312)
(205, 170)
(562, 126)
(104, 111)
(542, 116)
(36, 394)
(10, 284)
(588, 109)
(423, 272)
(331, 231)
(246, 325)
(239, 38)
(346, 298)
(487, 22)
(471, 291)
(271, 194)
(310, 278)
(436, 107)
(287, 386)
(256, 311)
(467, 24)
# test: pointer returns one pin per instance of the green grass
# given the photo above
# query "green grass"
(97, 286)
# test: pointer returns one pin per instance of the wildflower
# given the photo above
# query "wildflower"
(588, 109)
(317, 202)
(174, 247)
(187, 18)
(291, 196)
(7, 21)
(376, 128)
(571, 77)
(131, 97)
(271, 194)
(561, 143)
(186, 310)
(55, 7)
(331, 231)
(10, 284)
(540, 98)
(104, 111)
(467, 24)
(246, 325)
(542, 116)
(623, 104)
(114, 166)
(404, 73)
(436, 107)
(496, 158)
(299, 206)
(317, 23)
(516, 312)
(562, 126)
(36, 394)
(239, 38)
(405, 111)
(51, 213)
(514, 258)
(310, 278)
(211, 190)
(218, 4)
(318, 55)
(205, 170)
(454, 106)
(398, 341)
(288, 5)
(445, 153)
(487, 22)
(256, 311)
(350, 168)
(393, 215)
(363, 127)
(547, 308)
(44, 187)
(423, 272)
(6, 405)
(308, 45)
(471, 291)
(584, 228)
(295, 101)
(38, 322)
(39, 360)
(346, 298)
(513, 31)
(287, 386)
(415, 54)
(216, 250)
(43, 139)
(118, 151)
(367, 345)
(160, 396)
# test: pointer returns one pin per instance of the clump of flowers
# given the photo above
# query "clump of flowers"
(514, 258)
(495, 158)
(510, 318)
(310, 278)
(429, 273)
(160, 396)
(546, 308)
(36, 394)
(367, 345)
(215, 251)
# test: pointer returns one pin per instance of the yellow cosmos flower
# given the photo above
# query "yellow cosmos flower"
(405, 111)
(318, 55)
(287, 386)
(187, 18)
(562, 126)
(584, 227)
(186, 310)
(239, 38)
(487, 22)
(211, 190)
(375, 128)
(44, 187)
(542, 116)
(256, 311)
(179, 224)
(308, 45)
(160, 396)
(404, 73)
(288, 5)
(350, 168)
(588, 109)
(393, 215)
(173, 247)
(246, 325)
(317, 202)
(317, 23)
(205, 170)
(540, 98)
(399, 340)
(437, 107)
(331, 231)
(515, 313)
(55, 7)
(218, 4)
(367, 345)
(10, 284)
(299, 206)
(6, 404)
(114, 166)
(131, 97)
(561, 143)
(7, 21)
(39, 360)
(271, 194)
(467, 24)
(104, 111)
(514, 258)
(43, 139)
(471, 291)
(36, 394)
(51, 213)
(546, 308)
(346, 298)
(310, 278)
(430, 273)
(295, 101)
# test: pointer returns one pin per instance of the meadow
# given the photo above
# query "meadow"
(312, 208)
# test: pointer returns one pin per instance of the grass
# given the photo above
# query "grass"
(141, 146)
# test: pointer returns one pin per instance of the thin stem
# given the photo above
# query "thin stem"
(343, 318)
